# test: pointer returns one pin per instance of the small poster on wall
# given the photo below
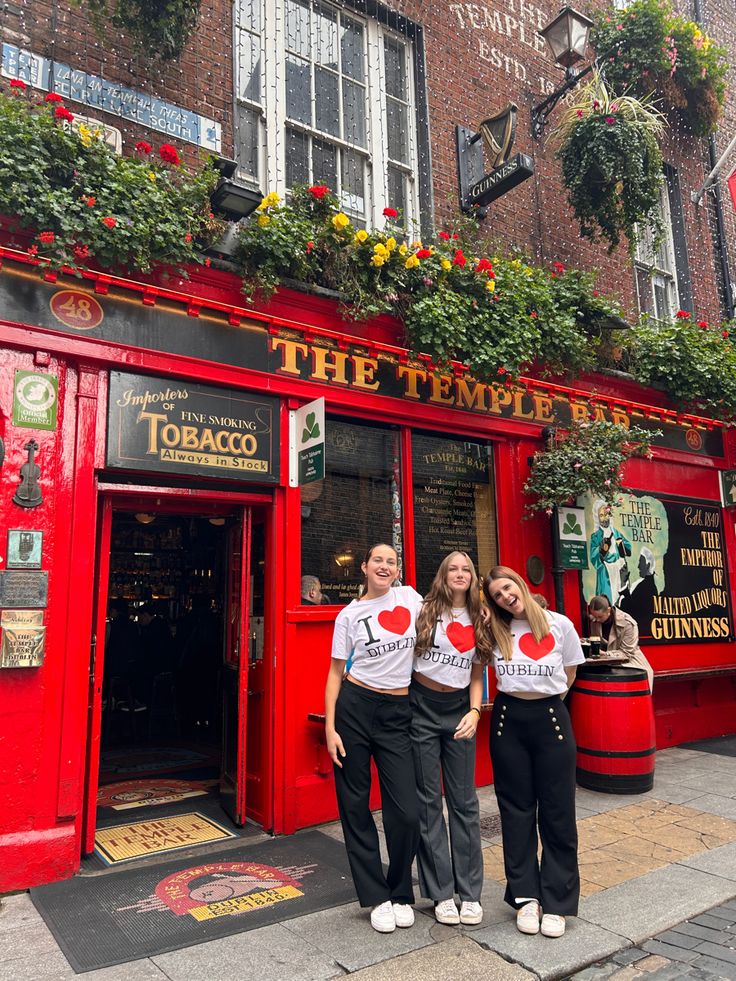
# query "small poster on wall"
(24, 548)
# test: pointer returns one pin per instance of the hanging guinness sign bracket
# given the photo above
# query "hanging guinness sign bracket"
(496, 133)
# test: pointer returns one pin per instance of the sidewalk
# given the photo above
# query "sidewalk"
(648, 863)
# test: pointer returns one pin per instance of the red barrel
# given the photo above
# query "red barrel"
(613, 721)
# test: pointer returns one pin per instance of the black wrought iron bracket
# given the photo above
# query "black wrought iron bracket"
(542, 111)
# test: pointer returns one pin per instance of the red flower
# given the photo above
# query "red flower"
(683, 315)
(32, 250)
(53, 97)
(208, 262)
(391, 212)
(46, 237)
(445, 236)
(558, 268)
(423, 253)
(61, 112)
(81, 251)
(143, 147)
(459, 259)
(169, 154)
(596, 293)
(484, 265)
(703, 324)
(310, 243)
(455, 235)
(319, 191)
(610, 120)
(534, 314)
(17, 83)
(109, 221)
(724, 334)
(188, 237)
(91, 202)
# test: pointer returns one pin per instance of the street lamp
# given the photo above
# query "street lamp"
(567, 38)
(231, 199)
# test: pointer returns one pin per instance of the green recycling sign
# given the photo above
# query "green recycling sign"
(572, 537)
(307, 443)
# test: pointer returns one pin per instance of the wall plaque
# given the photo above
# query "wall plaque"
(157, 424)
(24, 548)
(23, 639)
(19, 589)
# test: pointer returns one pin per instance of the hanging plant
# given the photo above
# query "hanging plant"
(611, 163)
(587, 457)
(653, 51)
(86, 203)
(160, 27)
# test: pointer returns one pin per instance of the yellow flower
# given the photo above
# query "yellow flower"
(446, 264)
(269, 201)
(528, 271)
(380, 249)
(378, 260)
(151, 176)
(85, 135)
(412, 262)
(491, 285)
(263, 220)
(403, 249)
(391, 244)
(361, 235)
(416, 245)
(340, 221)
(515, 263)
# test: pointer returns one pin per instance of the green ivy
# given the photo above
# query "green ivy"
(161, 28)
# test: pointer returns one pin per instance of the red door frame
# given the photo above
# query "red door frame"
(174, 500)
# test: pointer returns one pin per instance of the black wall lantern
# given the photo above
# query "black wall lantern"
(567, 38)
(231, 199)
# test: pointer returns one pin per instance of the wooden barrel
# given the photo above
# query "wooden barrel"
(613, 722)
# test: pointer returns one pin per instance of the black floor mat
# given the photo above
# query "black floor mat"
(721, 745)
(110, 919)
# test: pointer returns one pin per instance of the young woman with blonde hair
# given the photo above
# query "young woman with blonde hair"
(446, 692)
(533, 752)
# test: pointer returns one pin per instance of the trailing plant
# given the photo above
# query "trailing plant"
(587, 457)
(160, 27)
(498, 314)
(694, 362)
(611, 163)
(655, 51)
(87, 203)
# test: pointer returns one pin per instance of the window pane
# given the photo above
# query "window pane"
(249, 138)
(353, 113)
(325, 28)
(395, 58)
(644, 291)
(454, 504)
(249, 14)
(324, 163)
(660, 289)
(355, 506)
(397, 191)
(297, 27)
(396, 118)
(297, 158)
(298, 91)
(351, 49)
(249, 67)
(326, 88)
(353, 183)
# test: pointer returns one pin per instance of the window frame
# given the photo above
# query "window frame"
(652, 270)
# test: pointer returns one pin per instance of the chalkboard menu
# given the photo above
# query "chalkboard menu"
(454, 507)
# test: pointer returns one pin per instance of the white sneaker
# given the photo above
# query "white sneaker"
(383, 918)
(527, 919)
(446, 912)
(403, 914)
(553, 925)
(470, 912)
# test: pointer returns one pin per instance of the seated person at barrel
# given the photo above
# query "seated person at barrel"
(618, 633)
(312, 594)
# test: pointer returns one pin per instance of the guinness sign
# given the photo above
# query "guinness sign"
(478, 188)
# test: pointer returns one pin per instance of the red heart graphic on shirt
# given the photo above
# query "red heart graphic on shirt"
(396, 620)
(461, 637)
(536, 649)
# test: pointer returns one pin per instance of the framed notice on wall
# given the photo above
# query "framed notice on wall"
(160, 425)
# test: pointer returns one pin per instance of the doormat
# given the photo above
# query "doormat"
(124, 762)
(138, 912)
(721, 745)
(126, 795)
(124, 842)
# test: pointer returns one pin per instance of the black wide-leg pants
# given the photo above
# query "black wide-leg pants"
(533, 753)
(371, 724)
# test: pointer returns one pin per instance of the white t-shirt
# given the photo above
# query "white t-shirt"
(539, 667)
(452, 653)
(379, 635)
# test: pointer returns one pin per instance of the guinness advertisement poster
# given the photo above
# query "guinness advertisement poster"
(159, 424)
(663, 561)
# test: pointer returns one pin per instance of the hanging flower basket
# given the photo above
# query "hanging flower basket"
(611, 163)
(161, 28)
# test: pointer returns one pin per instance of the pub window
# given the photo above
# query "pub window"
(454, 503)
(356, 505)
(327, 96)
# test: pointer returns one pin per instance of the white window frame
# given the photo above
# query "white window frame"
(645, 262)
(273, 121)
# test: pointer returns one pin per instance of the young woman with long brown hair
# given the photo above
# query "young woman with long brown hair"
(367, 716)
(446, 694)
(533, 752)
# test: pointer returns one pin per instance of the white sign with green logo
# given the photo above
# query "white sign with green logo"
(573, 539)
(35, 397)
(307, 443)
(728, 488)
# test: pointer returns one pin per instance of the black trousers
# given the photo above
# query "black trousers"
(376, 726)
(533, 754)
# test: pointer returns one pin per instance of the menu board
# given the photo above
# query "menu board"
(454, 507)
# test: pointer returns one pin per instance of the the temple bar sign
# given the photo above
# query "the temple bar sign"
(160, 424)
(501, 179)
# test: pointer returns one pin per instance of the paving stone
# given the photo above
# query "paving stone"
(652, 963)
(717, 950)
(716, 968)
(691, 929)
(666, 973)
(629, 955)
(626, 974)
(683, 940)
(706, 920)
(669, 951)
(455, 958)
